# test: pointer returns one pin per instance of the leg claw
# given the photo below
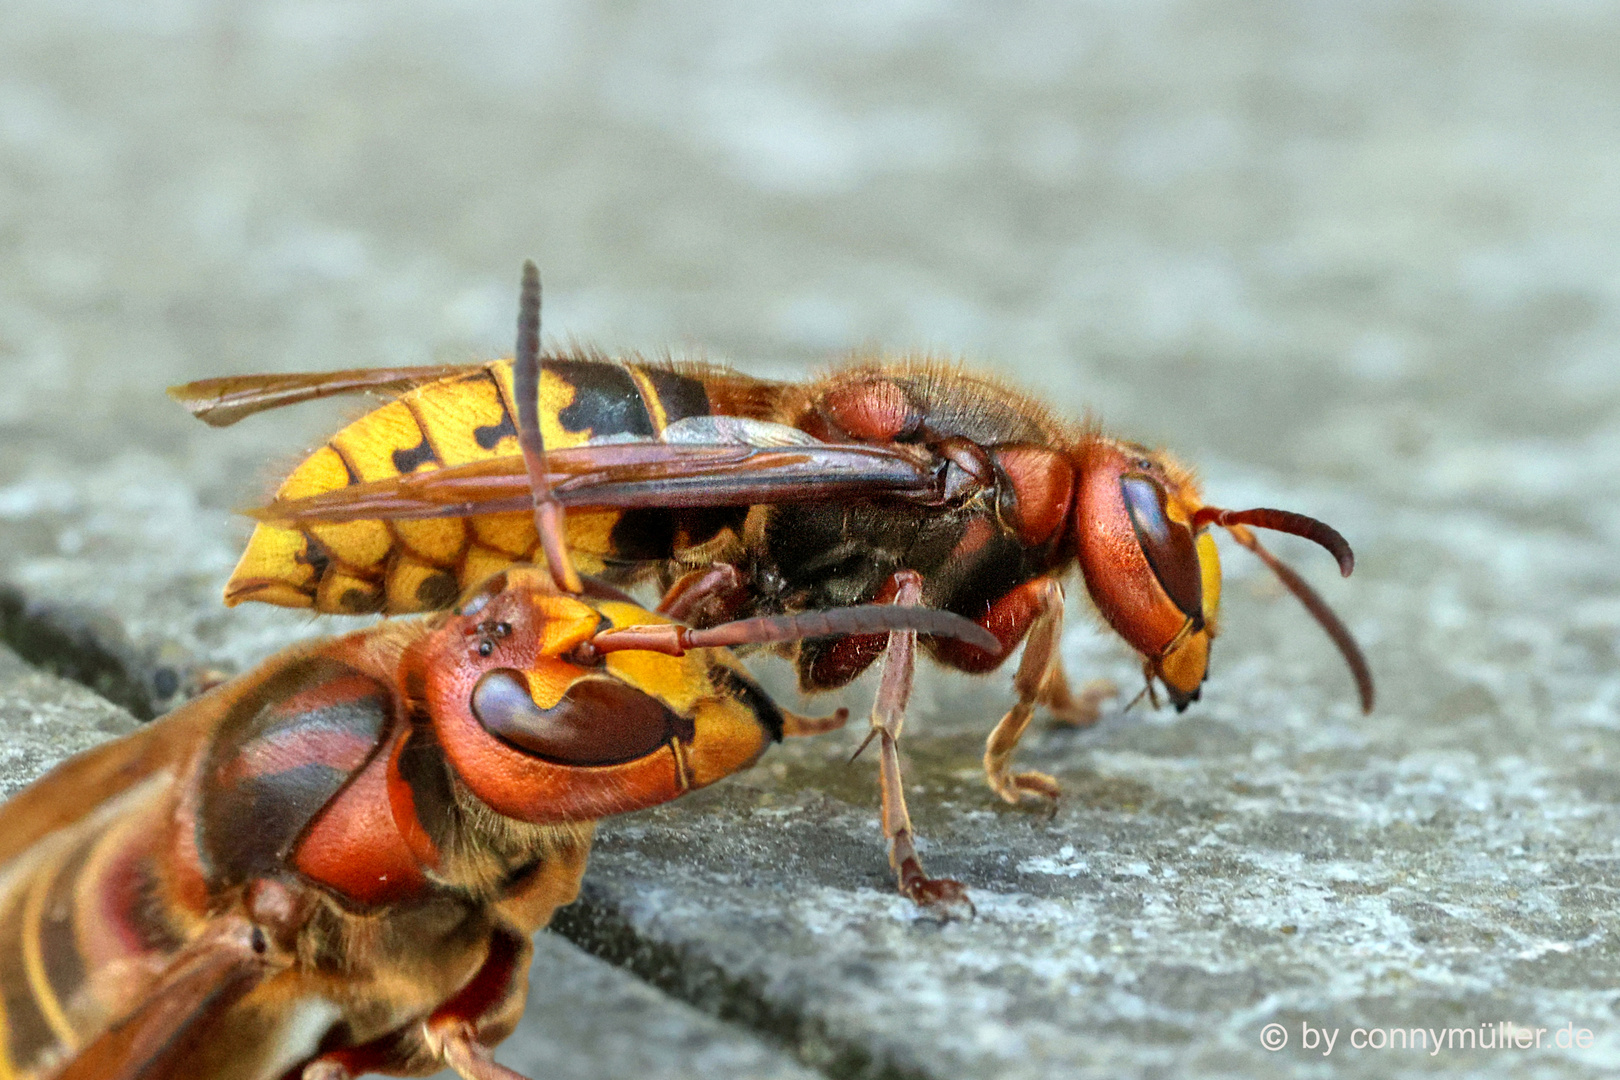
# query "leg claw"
(1018, 788)
(943, 897)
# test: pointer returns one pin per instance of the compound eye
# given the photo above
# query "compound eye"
(480, 597)
(1169, 546)
(597, 722)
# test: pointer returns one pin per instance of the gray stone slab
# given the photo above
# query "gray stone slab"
(44, 719)
(1358, 262)
(587, 1019)
(1206, 879)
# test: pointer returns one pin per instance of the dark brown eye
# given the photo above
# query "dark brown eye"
(480, 597)
(1168, 545)
(597, 722)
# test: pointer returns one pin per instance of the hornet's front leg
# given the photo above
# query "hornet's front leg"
(707, 596)
(459, 1035)
(458, 1046)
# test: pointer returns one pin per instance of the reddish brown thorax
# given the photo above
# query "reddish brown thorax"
(872, 410)
(1041, 483)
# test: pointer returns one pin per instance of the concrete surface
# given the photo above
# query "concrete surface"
(1353, 260)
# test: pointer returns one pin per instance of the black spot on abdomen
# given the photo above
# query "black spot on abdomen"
(489, 436)
(409, 459)
(437, 591)
(606, 401)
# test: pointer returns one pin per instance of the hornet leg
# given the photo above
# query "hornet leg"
(888, 717)
(705, 597)
(1070, 709)
(798, 726)
(461, 1032)
(326, 1069)
(1040, 678)
(459, 1048)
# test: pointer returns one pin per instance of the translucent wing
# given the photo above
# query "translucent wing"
(222, 402)
(209, 976)
(628, 475)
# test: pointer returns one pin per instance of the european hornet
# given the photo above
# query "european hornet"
(905, 482)
(333, 864)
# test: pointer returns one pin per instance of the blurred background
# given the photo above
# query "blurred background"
(1366, 247)
(1357, 260)
(1233, 226)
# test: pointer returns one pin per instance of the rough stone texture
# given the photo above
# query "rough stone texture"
(46, 719)
(587, 1020)
(1354, 260)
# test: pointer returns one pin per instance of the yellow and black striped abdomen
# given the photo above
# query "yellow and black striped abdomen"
(405, 566)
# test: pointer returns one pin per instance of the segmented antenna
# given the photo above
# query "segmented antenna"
(1237, 522)
(549, 521)
(1319, 610)
(1282, 521)
(768, 629)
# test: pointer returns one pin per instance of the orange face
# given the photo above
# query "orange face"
(542, 732)
(1154, 578)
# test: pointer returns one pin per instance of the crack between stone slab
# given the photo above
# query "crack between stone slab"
(598, 926)
(54, 641)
